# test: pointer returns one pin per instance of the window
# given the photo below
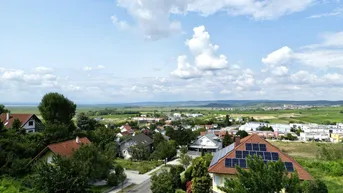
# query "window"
(217, 180)
(30, 123)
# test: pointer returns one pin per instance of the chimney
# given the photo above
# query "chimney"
(237, 140)
(8, 116)
(77, 139)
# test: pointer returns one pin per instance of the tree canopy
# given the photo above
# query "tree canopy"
(242, 134)
(227, 139)
(85, 123)
(55, 108)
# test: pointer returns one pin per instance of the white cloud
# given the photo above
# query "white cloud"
(184, 69)
(120, 24)
(89, 68)
(152, 17)
(279, 57)
(43, 70)
(225, 92)
(304, 77)
(335, 12)
(280, 71)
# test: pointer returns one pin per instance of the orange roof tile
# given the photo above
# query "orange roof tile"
(66, 148)
(23, 118)
(219, 167)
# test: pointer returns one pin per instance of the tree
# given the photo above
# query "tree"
(242, 134)
(201, 180)
(166, 149)
(157, 138)
(227, 139)
(3, 109)
(317, 186)
(227, 121)
(55, 108)
(139, 152)
(262, 178)
(16, 125)
(96, 165)
(185, 159)
(162, 183)
(63, 176)
(83, 122)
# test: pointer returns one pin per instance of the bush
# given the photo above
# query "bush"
(316, 186)
(112, 179)
(180, 191)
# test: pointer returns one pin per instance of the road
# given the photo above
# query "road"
(141, 188)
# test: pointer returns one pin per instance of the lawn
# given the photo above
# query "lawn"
(331, 172)
(141, 166)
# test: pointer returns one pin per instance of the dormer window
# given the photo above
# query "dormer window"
(30, 123)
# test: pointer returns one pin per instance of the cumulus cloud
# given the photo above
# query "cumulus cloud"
(153, 17)
(205, 57)
(43, 70)
(185, 70)
(89, 68)
(335, 12)
(279, 57)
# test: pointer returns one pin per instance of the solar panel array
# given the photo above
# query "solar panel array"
(221, 153)
(259, 150)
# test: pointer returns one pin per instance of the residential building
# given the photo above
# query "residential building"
(146, 119)
(336, 137)
(140, 139)
(207, 143)
(252, 126)
(65, 148)
(126, 128)
(224, 161)
(30, 122)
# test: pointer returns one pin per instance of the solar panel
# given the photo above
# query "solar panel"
(252, 153)
(255, 147)
(221, 153)
(235, 162)
(248, 146)
(228, 162)
(260, 154)
(239, 154)
(243, 163)
(289, 166)
(267, 156)
(245, 154)
(263, 147)
(275, 156)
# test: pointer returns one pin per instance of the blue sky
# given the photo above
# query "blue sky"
(108, 51)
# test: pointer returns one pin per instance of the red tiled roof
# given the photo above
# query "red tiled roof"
(66, 148)
(23, 118)
(219, 167)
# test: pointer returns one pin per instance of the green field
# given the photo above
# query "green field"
(306, 155)
(322, 115)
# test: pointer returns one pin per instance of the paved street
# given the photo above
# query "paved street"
(142, 180)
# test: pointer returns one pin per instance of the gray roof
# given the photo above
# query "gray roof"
(135, 140)
(221, 153)
(213, 137)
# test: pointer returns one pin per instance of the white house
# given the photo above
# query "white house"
(252, 126)
(30, 122)
(177, 115)
(207, 143)
(140, 139)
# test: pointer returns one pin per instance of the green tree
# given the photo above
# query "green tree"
(201, 180)
(63, 176)
(166, 149)
(185, 159)
(16, 125)
(317, 186)
(3, 109)
(157, 138)
(242, 134)
(227, 139)
(139, 152)
(83, 122)
(262, 178)
(227, 121)
(94, 163)
(162, 183)
(55, 108)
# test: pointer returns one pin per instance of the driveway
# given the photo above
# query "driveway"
(142, 181)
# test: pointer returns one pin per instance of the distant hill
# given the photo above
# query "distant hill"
(213, 104)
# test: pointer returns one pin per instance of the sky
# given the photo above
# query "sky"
(118, 51)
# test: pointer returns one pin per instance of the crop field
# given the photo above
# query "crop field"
(306, 155)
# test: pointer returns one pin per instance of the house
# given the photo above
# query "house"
(126, 128)
(223, 163)
(140, 139)
(30, 122)
(252, 126)
(65, 148)
(207, 143)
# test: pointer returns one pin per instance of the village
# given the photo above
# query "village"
(172, 143)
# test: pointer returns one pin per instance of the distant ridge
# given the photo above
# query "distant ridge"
(206, 103)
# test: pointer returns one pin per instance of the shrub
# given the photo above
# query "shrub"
(316, 186)
(180, 191)
(112, 179)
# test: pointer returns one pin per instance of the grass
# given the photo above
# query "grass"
(100, 188)
(330, 172)
(141, 166)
